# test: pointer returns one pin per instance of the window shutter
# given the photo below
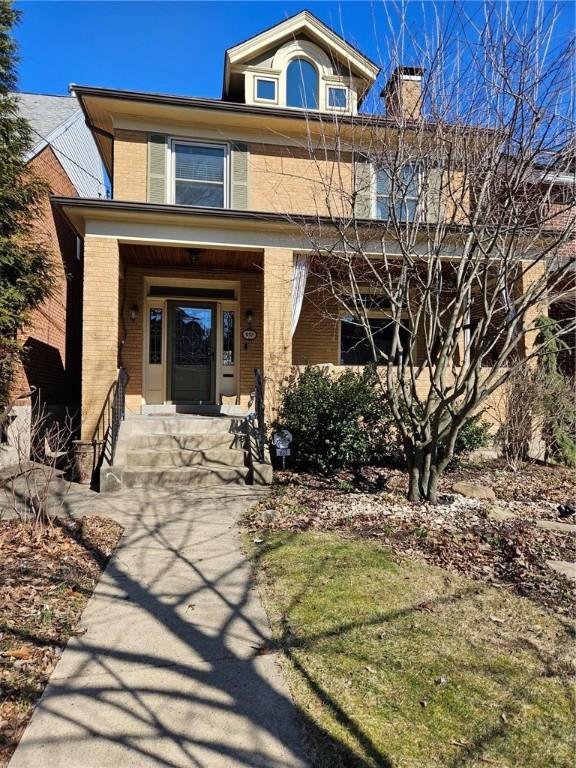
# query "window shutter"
(363, 187)
(157, 168)
(434, 201)
(239, 176)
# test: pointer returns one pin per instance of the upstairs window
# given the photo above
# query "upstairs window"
(337, 97)
(199, 174)
(397, 192)
(265, 89)
(301, 85)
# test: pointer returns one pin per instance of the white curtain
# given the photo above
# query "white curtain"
(301, 264)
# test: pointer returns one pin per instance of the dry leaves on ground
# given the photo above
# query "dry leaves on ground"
(457, 534)
(46, 579)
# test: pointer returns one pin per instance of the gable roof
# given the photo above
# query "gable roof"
(301, 23)
(58, 122)
(45, 113)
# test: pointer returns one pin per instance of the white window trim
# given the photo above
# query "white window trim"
(221, 144)
(336, 86)
(267, 79)
(417, 199)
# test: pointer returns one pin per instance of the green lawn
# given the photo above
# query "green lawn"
(397, 663)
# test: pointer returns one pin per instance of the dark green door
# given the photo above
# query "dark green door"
(191, 368)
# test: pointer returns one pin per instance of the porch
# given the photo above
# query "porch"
(189, 325)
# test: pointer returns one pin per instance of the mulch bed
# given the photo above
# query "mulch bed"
(457, 534)
(47, 576)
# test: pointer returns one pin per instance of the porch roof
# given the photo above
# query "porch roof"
(132, 221)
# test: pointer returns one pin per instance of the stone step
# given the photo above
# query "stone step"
(185, 442)
(184, 425)
(192, 477)
(161, 458)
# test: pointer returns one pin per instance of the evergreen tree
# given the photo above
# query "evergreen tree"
(25, 263)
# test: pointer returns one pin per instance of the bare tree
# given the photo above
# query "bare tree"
(36, 488)
(442, 213)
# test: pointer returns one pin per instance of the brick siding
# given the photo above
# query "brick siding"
(51, 341)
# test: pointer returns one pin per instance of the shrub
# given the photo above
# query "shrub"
(471, 437)
(336, 421)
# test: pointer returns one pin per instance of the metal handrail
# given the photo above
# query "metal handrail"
(259, 411)
(111, 416)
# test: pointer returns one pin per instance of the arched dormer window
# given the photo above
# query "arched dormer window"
(301, 84)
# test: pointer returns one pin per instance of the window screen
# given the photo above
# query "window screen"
(199, 175)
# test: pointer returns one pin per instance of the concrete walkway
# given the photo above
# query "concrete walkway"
(168, 672)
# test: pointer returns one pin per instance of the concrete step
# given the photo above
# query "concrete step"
(185, 442)
(193, 477)
(161, 458)
(183, 425)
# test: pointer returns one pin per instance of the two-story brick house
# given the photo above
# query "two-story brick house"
(64, 155)
(194, 270)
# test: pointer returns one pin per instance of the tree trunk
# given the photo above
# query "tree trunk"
(423, 476)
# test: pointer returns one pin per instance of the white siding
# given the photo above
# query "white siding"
(76, 150)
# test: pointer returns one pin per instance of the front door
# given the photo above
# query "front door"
(191, 343)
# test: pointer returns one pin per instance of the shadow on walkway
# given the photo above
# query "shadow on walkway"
(175, 667)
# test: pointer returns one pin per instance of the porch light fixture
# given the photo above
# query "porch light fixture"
(249, 316)
(133, 312)
(193, 256)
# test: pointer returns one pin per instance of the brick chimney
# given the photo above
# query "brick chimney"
(402, 94)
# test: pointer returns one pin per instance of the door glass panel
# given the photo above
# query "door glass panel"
(228, 318)
(191, 344)
(193, 341)
(155, 336)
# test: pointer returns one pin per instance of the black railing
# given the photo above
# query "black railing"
(259, 411)
(111, 417)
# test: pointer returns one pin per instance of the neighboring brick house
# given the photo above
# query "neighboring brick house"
(65, 156)
(190, 267)
(562, 306)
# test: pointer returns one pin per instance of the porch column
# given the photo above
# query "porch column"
(99, 327)
(277, 326)
(532, 273)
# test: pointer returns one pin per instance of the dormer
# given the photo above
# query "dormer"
(298, 64)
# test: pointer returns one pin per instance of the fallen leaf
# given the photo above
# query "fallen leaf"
(18, 653)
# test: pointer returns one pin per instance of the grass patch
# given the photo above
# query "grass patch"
(395, 662)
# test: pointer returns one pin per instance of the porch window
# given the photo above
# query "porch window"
(228, 325)
(397, 192)
(155, 336)
(199, 174)
(355, 347)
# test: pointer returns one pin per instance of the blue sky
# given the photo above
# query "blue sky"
(172, 47)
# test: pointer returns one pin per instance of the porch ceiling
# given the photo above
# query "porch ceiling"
(201, 260)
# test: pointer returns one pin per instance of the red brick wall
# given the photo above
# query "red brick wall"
(51, 342)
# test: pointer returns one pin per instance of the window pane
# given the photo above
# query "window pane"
(355, 348)
(228, 318)
(266, 89)
(383, 182)
(337, 98)
(190, 193)
(301, 85)
(199, 163)
(155, 337)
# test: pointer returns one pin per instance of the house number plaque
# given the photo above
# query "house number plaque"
(249, 334)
